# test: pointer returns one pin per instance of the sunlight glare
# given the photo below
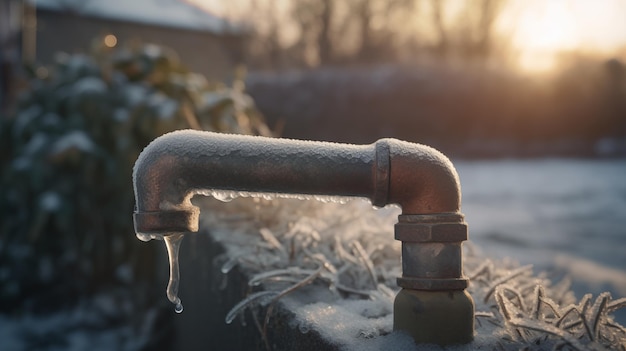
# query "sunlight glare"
(541, 30)
(550, 28)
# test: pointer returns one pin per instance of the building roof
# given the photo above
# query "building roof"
(168, 13)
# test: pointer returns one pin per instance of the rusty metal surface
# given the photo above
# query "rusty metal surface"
(160, 222)
(431, 251)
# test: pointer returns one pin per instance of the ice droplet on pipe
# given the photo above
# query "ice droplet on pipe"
(172, 243)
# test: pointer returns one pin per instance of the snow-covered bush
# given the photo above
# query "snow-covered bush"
(67, 153)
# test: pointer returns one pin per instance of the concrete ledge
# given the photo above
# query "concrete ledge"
(208, 295)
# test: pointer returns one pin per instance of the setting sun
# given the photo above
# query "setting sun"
(540, 30)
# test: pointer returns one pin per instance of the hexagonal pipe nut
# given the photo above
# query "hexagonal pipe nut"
(431, 232)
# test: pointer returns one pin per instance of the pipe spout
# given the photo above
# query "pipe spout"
(420, 179)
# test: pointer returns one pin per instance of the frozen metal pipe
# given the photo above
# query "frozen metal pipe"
(433, 305)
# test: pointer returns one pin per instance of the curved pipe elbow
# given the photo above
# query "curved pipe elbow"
(178, 165)
(422, 179)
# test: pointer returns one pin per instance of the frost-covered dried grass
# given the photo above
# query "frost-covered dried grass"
(287, 239)
(344, 255)
(530, 312)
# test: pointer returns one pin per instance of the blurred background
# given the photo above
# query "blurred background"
(527, 97)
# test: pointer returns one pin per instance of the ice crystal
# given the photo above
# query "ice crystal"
(538, 315)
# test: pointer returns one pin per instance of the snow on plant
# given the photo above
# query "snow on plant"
(531, 311)
(67, 153)
(285, 245)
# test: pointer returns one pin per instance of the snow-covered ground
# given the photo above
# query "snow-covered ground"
(563, 214)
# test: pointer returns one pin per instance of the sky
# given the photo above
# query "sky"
(540, 29)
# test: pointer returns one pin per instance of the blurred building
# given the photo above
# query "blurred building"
(10, 29)
(205, 43)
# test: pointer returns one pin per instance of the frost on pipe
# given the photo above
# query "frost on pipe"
(421, 180)
(178, 165)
